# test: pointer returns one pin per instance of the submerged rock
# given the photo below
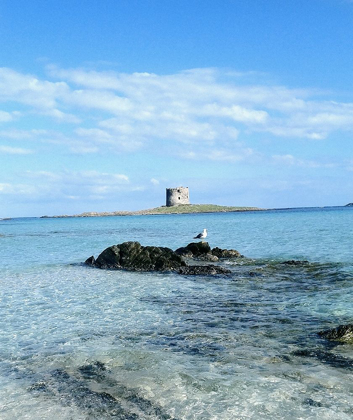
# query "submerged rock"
(326, 357)
(295, 262)
(197, 270)
(86, 389)
(343, 333)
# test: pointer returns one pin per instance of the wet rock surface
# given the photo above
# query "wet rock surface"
(209, 269)
(295, 262)
(202, 251)
(194, 249)
(226, 253)
(343, 333)
(135, 257)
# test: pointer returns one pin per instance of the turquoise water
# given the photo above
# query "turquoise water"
(83, 343)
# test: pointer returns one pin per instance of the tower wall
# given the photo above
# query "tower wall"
(175, 196)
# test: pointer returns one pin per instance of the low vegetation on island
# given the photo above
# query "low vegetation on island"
(196, 208)
(179, 209)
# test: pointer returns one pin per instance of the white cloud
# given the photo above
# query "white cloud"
(16, 134)
(206, 112)
(89, 79)
(42, 97)
(101, 100)
(177, 106)
(17, 189)
(290, 160)
(5, 116)
(87, 186)
(116, 138)
(14, 150)
(234, 112)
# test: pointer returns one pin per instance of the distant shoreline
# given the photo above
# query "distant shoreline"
(180, 209)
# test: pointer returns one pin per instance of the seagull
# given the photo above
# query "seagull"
(201, 235)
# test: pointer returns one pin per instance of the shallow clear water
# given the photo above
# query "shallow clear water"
(83, 343)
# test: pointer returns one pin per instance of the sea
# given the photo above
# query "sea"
(78, 342)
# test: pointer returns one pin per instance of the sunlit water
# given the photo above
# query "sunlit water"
(84, 343)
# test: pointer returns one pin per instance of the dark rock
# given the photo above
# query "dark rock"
(195, 249)
(202, 251)
(343, 333)
(85, 389)
(255, 274)
(92, 371)
(312, 403)
(109, 258)
(198, 270)
(90, 261)
(93, 403)
(225, 253)
(134, 256)
(38, 387)
(184, 252)
(208, 257)
(295, 262)
(326, 357)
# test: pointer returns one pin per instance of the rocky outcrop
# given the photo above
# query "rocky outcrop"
(226, 253)
(194, 249)
(343, 333)
(202, 251)
(135, 257)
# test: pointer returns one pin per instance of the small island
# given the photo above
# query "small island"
(177, 202)
(179, 209)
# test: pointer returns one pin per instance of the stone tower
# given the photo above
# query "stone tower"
(179, 195)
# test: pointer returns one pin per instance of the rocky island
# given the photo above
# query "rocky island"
(179, 209)
(132, 256)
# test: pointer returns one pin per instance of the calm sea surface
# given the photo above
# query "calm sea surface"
(83, 343)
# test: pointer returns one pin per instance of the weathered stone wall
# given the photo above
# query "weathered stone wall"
(175, 196)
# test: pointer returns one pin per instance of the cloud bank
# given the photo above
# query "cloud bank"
(208, 113)
(213, 116)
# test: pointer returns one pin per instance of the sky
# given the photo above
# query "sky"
(106, 103)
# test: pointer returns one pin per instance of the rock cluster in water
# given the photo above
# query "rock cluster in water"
(203, 251)
(343, 333)
(133, 256)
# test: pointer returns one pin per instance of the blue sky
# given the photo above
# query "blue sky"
(104, 104)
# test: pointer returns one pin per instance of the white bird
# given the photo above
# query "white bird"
(201, 235)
